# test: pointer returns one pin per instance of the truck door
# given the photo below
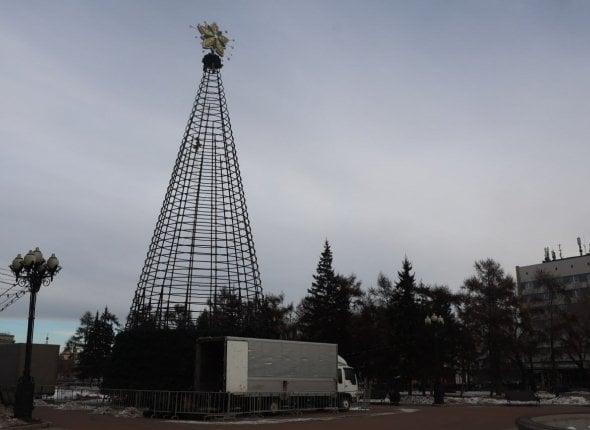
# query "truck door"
(347, 382)
(236, 358)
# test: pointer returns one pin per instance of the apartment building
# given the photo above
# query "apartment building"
(553, 291)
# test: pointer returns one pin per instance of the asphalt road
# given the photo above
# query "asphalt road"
(447, 417)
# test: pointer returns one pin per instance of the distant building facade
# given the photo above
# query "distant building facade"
(572, 273)
(6, 338)
(555, 293)
(66, 366)
(43, 365)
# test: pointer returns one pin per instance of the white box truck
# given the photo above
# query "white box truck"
(280, 374)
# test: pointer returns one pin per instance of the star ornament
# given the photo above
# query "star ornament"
(212, 38)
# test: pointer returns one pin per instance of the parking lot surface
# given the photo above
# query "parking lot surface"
(446, 417)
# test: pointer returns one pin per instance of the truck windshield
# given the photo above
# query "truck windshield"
(349, 374)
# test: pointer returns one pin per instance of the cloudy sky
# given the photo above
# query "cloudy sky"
(447, 131)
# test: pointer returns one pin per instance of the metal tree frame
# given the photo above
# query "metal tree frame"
(202, 247)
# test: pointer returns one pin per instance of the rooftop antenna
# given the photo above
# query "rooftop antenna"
(580, 246)
(559, 247)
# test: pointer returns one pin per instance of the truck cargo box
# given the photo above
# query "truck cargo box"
(249, 365)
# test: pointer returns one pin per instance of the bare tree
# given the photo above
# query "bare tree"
(555, 301)
(489, 301)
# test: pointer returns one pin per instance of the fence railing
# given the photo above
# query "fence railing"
(187, 404)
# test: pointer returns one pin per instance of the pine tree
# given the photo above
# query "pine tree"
(407, 322)
(372, 352)
(78, 340)
(375, 333)
(347, 297)
(313, 318)
(100, 336)
(227, 317)
(270, 319)
(325, 313)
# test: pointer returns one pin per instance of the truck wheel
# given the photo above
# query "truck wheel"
(345, 403)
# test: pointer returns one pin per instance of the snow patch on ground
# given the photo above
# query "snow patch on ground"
(73, 406)
(76, 393)
(475, 400)
(574, 398)
(119, 413)
(408, 411)
(566, 400)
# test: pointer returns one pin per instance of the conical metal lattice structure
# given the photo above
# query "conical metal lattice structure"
(202, 245)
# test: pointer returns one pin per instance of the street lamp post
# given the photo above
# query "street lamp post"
(436, 321)
(31, 272)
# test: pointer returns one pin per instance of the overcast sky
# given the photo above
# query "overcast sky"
(447, 131)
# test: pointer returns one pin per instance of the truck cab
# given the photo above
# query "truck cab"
(347, 384)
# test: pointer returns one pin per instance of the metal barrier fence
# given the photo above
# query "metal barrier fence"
(187, 404)
(8, 393)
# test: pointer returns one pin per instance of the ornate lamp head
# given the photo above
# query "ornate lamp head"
(38, 256)
(17, 265)
(30, 259)
(52, 263)
(34, 266)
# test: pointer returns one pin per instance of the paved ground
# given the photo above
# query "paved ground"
(447, 417)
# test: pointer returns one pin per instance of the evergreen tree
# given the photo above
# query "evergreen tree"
(266, 318)
(313, 310)
(98, 343)
(372, 351)
(78, 340)
(228, 315)
(271, 319)
(345, 304)
(407, 323)
(325, 313)
(150, 358)
(384, 293)
(179, 318)
(382, 354)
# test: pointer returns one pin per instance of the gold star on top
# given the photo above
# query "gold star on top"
(212, 38)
